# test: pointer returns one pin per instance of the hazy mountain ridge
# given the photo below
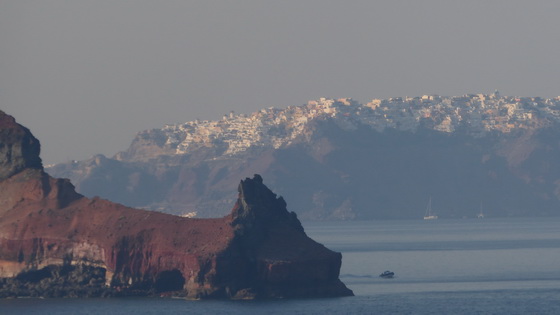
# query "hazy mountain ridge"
(338, 159)
(277, 128)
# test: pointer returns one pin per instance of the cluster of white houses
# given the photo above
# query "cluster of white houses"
(273, 127)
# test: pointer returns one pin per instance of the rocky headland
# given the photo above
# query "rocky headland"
(55, 242)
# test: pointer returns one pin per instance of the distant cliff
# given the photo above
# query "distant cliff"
(55, 242)
(339, 159)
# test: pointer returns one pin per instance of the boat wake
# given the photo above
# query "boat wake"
(349, 275)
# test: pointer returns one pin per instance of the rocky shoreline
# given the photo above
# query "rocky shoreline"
(56, 281)
(55, 242)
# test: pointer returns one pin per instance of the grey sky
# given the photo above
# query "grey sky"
(85, 76)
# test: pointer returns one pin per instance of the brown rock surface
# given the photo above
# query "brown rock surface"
(18, 148)
(258, 251)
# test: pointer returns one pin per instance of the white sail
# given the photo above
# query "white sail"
(429, 215)
(480, 215)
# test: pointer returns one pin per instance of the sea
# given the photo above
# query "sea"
(463, 266)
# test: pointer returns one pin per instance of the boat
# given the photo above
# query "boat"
(480, 215)
(429, 215)
(387, 274)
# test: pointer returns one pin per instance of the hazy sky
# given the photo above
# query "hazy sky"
(86, 76)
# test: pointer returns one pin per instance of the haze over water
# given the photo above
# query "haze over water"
(446, 255)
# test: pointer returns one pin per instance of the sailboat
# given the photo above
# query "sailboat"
(429, 215)
(480, 215)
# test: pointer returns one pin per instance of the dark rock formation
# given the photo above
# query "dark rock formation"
(18, 148)
(55, 242)
(283, 261)
(57, 281)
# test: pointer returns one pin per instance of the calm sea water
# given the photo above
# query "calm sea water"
(488, 266)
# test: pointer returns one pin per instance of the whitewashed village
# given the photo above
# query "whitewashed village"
(274, 127)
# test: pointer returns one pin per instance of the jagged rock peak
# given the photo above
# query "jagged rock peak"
(258, 204)
(19, 149)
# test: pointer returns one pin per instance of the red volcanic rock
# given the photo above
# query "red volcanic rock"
(48, 232)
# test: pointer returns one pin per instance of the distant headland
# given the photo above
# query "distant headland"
(339, 159)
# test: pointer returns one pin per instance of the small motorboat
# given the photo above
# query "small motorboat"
(387, 274)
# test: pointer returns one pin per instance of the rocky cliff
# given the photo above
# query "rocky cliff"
(16, 156)
(56, 242)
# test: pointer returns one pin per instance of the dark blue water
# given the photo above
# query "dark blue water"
(488, 266)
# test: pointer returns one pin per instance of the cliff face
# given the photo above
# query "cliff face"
(56, 242)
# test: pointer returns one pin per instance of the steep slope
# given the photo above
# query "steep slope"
(56, 242)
